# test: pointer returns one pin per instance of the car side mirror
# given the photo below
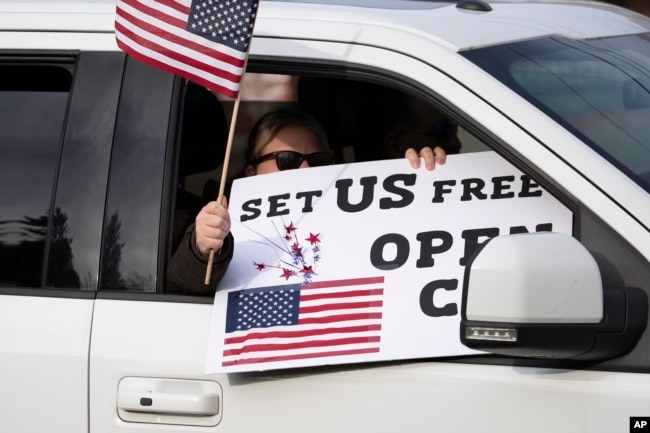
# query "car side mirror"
(541, 295)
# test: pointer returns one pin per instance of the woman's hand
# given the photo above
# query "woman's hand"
(431, 157)
(212, 226)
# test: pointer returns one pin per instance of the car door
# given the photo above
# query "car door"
(148, 348)
(145, 344)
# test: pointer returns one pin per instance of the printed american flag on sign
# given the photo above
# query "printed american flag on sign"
(205, 41)
(293, 321)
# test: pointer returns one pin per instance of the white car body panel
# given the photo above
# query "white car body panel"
(150, 340)
(46, 342)
(159, 341)
(548, 20)
(69, 16)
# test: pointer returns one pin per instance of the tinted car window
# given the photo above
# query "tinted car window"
(73, 255)
(33, 103)
(133, 211)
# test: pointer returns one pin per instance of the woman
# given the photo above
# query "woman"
(284, 139)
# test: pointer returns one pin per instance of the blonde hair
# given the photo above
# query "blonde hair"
(267, 126)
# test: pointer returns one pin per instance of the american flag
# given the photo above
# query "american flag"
(293, 321)
(205, 41)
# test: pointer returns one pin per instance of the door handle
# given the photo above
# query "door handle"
(144, 400)
(140, 396)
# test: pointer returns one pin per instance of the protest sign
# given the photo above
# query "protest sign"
(362, 262)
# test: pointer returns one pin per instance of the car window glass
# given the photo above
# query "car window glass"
(129, 258)
(33, 102)
(73, 252)
(598, 89)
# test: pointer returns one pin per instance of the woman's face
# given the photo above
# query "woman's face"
(293, 138)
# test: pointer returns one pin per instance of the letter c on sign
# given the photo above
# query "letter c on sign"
(426, 298)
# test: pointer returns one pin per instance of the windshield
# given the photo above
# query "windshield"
(598, 89)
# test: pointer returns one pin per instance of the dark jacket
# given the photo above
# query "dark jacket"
(187, 267)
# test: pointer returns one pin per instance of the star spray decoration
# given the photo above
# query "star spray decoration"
(303, 257)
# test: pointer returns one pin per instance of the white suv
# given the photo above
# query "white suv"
(93, 179)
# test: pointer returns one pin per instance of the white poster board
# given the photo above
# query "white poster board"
(362, 262)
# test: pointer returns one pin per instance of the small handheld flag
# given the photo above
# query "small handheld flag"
(204, 41)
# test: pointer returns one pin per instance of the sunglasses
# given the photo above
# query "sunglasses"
(442, 130)
(288, 159)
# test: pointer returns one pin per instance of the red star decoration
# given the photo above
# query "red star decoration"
(286, 273)
(260, 266)
(295, 246)
(290, 228)
(313, 238)
(307, 270)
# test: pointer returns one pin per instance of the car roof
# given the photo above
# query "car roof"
(466, 28)
(444, 21)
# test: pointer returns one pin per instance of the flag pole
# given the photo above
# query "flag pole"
(162, 54)
(226, 162)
